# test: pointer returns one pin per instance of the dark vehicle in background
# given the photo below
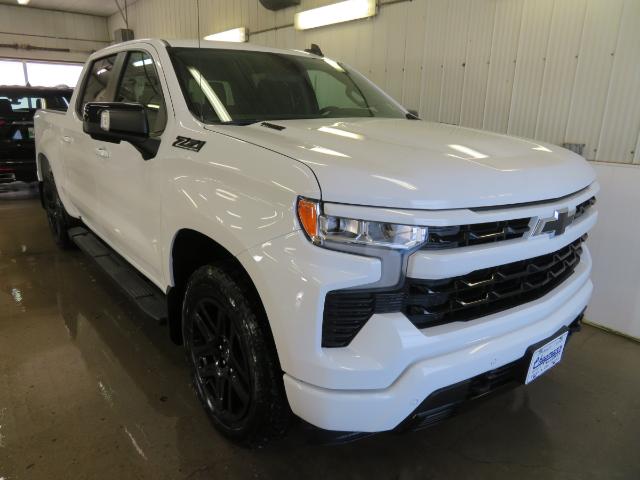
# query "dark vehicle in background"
(17, 108)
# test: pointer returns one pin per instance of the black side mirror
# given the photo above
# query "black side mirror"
(116, 122)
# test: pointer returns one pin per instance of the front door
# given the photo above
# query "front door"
(128, 186)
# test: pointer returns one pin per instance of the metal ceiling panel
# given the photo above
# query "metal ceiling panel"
(433, 60)
(595, 61)
(476, 70)
(453, 71)
(504, 50)
(530, 66)
(621, 122)
(560, 70)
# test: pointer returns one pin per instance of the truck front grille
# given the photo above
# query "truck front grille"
(483, 292)
(475, 234)
(582, 208)
(456, 236)
(427, 303)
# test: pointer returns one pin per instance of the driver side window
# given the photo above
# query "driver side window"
(140, 84)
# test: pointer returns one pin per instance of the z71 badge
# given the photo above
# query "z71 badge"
(188, 144)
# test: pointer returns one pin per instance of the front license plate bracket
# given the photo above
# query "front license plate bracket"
(544, 355)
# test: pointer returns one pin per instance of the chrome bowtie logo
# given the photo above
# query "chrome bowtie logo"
(557, 224)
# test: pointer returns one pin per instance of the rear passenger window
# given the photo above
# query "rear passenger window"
(95, 87)
(140, 84)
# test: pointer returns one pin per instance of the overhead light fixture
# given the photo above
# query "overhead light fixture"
(335, 13)
(24, 2)
(233, 35)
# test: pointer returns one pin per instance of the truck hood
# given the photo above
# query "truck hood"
(420, 165)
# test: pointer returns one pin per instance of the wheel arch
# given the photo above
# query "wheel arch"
(190, 250)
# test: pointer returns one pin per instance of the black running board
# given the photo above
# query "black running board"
(143, 293)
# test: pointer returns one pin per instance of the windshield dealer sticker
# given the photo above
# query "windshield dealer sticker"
(188, 143)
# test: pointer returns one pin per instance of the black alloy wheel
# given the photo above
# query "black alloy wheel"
(219, 355)
(232, 357)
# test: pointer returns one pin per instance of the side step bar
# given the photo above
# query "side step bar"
(143, 293)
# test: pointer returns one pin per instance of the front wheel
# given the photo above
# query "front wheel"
(57, 217)
(233, 361)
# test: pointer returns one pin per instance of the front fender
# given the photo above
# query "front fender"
(236, 193)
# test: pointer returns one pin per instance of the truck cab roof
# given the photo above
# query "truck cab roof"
(193, 43)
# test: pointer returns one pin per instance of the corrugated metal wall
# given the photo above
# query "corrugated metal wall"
(81, 34)
(555, 70)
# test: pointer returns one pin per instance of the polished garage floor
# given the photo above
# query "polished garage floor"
(91, 389)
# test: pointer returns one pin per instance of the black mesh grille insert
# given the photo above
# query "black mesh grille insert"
(483, 292)
(475, 234)
(583, 207)
(478, 233)
(435, 302)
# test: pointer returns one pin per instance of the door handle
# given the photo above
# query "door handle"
(103, 152)
(67, 139)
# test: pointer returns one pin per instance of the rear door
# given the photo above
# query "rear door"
(129, 186)
(79, 152)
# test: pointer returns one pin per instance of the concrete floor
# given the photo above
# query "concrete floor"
(91, 389)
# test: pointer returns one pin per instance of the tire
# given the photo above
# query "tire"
(232, 357)
(57, 217)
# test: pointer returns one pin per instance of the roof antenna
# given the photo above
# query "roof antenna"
(315, 49)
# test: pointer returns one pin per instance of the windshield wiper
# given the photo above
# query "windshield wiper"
(242, 122)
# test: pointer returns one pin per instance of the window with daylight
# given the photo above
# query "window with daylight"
(39, 74)
(12, 73)
(53, 74)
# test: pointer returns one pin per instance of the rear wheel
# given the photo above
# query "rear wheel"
(234, 364)
(57, 217)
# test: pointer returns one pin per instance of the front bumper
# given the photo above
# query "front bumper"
(385, 409)
(446, 401)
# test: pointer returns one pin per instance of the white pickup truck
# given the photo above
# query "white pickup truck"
(316, 247)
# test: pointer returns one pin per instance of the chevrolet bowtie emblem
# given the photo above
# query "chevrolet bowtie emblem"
(557, 224)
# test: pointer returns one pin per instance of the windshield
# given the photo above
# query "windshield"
(236, 86)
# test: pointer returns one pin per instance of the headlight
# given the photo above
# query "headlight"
(331, 231)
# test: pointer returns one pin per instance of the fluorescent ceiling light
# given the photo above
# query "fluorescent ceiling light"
(24, 2)
(335, 13)
(233, 35)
